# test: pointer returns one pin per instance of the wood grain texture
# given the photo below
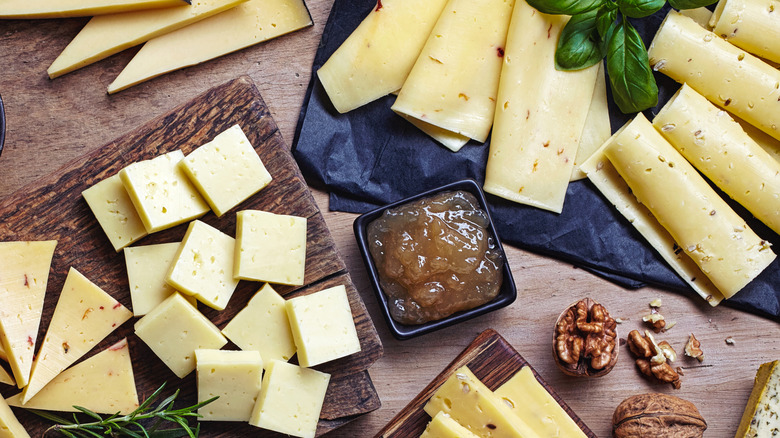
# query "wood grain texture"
(53, 208)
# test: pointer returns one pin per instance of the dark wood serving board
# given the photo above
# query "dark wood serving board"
(53, 208)
(494, 361)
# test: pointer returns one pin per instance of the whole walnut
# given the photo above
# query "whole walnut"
(585, 340)
(658, 416)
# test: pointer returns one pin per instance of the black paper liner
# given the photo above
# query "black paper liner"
(370, 157)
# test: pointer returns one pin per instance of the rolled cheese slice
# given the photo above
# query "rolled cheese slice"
(77, 8)
(597, 128)
(701, 16)
(376, 58)
(720, 149)
(540, 114)
(767, 142)
(753, 25)
(726, 75)
(702, 224)
(454, 81)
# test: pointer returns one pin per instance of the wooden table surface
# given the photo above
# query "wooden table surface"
(51, 122)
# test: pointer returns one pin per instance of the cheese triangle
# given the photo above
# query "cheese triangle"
(84, 316)
(9, 425)
(5, 377)
(3, 355)
(24, 272)
(104, 384)
(77, 8)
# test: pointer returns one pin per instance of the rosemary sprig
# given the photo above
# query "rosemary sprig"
(130, 425)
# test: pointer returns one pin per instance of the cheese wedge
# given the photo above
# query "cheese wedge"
(10, 427)
(24, 273)
(453, 84)
(753, 25)
(597, 128)
(5, 377)
(245, 25)
(233, 376)
(77, 8)
(443, 426)
(84, 316)
(115, 212)
(376, 58)
(106, 35)
(104, 384)
(537, 127)
(762, 412)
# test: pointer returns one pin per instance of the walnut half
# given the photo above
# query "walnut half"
(657, 415)
(585, 340)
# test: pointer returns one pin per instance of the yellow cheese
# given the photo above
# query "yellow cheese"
(322, 326)
(226, 170)
(245, 25)
(376, 58)
(103, 383)
(443, 426)
(106, 35)
(3, 355)
(451, 140)
(10, 427)
(469, 402)
(536, 407)
(24, 273)
(147, 267)
(161, 193)
(233, 376)
(701, 16)
(263, 326)
(174, 330)
(718, 147)
(768, 143)
(597, 128)
(5, 377)
(290, 400)
(538, 126)
(726, 75)
(761, 418)
(84, 316)
(702, 224)
(753, 25)
(115, 212)
(270, 247)
(453, 84)
(77, 8)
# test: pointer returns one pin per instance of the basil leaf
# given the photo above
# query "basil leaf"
(605, 18)
(565, 7)
(632, 81)
(690, 4)
(641, 8)
(578, 45)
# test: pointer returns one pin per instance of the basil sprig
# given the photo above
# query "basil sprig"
(600, 28)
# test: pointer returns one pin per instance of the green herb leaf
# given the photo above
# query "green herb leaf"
(566, 7)
(690, 4)
(640, 8)
(605, 19)
(633, 86)
(578, 45)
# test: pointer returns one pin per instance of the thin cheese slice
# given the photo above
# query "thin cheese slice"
(106, 35)
(77, 8)
(24, 273)
(245, 25)
(104, 384)
(762, 411)
(597, 128)
(5, 377)
(451, 140)
(84, 316)
(443, 426)
(3, 354)
(115, 212)
(10, 427)
(753, 25)
(766, 141)
(701, 16)
(234, 377)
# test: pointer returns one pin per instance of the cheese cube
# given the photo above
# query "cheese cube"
(227, 170)
(115, 212)
(263, 326)
(290, 400)
(147, 267)
(233, 376)
(322, 326)
(270, 247)
(174, 330)
(10, 427)
(443, 426)
(161, 193)
(203, 265)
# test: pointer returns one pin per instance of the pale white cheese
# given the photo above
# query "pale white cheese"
(270, 247)
(233, 376)
(115, 212)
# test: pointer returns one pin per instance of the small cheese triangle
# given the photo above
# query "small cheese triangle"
(3, 356)
(5, 377)
(24, 272)
(84, 316)
(103, 383)
(9, 425)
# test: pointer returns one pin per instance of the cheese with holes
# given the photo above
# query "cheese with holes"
(24, 273)
(725, 74)
(174, 330)
(597, 128)
(226, 170)
(245, 25)
(233, 376)
(270, 247)
(147, 267)
(291, 399)
(376, 58)
(263, 326)
(77, 8)
(761, 417)
(104, 384)
(10, 427)
(115, 212)
(5, 377)
(84, 316)
(453, 84)
(443, 426)
(106, 35)
(753, 25)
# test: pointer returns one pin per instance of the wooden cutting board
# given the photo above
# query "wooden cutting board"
(494, 361)
(53, 208)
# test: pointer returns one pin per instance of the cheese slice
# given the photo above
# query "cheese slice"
(597, 128)
(24, 273)
(84, 316)
(443, 426)
(752, 25)
(451, 140)
(700, 15)
(376, 58)
(243, 26)
(10, 427)
(115, 212)
(233, 376)
(77, 8)
(453, 84)
(768, 143)
(270, 247)
(147, 267)
(106, 35)
(5, 377)
(761, 418)
(104, 384)
(3, 355)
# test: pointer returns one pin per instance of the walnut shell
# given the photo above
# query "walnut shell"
(574, 341)
(657, 415)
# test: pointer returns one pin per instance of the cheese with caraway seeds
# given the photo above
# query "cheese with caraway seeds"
(84, 316)
(10, 427)
(115, 212)
(761, 418)
(750, 24)
(24, 273)
(104, 384)
(270, 247)
(5, 377)
(443, 426)
(291, 399)
(245, 25)
(233, 376)
(174, 330)
(147, 267)
(78, 8)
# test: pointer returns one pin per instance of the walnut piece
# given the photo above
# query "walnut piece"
(693, 348)
(656, 320)
(653, 358)
(658, 416)
(585, 340)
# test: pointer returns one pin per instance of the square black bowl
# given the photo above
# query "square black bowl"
(506, 295)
